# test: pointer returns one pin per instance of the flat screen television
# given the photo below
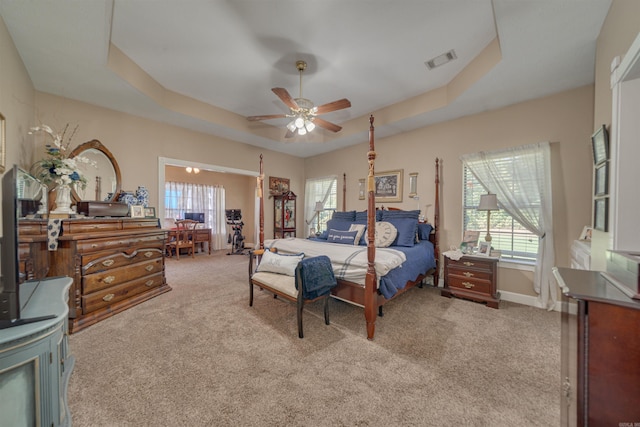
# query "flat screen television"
(10, 304)
(194, 216)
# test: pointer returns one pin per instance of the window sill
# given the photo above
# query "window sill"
(516, 265)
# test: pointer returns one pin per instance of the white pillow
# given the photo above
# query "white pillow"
(385, 234)
(360, 230)
(272, 262)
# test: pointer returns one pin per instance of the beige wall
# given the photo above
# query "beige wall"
(16, 103)
(620, 28)
(239, 192)
(137, 143)
(564, 119)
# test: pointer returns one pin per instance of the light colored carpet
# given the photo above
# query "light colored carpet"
(200, 356)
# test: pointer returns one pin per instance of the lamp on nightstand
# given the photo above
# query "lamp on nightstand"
(318, 208)
(488, 202)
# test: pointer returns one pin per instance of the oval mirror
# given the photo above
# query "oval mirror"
(103, 181)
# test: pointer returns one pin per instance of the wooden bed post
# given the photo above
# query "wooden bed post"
(436, 225)
(370, 288)
(344, 192)
(261, 204)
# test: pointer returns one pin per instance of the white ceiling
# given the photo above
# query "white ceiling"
(228, 54)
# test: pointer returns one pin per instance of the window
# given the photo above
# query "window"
(323, 190)
(507, 235)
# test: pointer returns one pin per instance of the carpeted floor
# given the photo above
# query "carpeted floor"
(200, 356)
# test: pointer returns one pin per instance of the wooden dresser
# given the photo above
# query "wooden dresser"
(114, 263)
(472, 277)
(600, 347)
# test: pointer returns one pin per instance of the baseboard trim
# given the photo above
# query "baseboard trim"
(529, 300)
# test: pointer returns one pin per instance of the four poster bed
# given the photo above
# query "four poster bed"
(369, 276)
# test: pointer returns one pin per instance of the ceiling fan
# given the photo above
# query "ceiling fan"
(302, 110)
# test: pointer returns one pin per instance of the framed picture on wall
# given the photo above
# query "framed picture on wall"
(3, 143)
(601, 213)
(600, 143)
(278, 185)
(388, 186)
(601, 187)
(361, 189)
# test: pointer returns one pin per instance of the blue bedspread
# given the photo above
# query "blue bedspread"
(420, 259)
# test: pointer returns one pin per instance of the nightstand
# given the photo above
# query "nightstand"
(472, 277)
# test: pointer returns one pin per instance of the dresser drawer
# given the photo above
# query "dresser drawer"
(115, 276)
(141, 223)
(470, 273)
(76, 227)
(97, 262)
(466, 264)
(122, 243)
(105, 297)
(480, 286)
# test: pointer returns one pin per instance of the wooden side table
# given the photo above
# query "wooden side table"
(472, 277)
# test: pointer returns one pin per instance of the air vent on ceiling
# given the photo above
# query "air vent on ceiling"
(441, 59)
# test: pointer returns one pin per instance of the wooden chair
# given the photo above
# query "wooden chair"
(184, 237)
(313, 280)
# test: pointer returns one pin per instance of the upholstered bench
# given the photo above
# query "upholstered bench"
(293, 278)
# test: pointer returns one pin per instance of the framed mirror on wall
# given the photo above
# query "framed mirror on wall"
(413, 184)
(103, 181)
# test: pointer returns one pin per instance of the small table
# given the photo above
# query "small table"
(472, 277)
(200, 236)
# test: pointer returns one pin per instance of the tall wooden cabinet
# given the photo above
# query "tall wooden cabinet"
(600, 348)
(284, 215)
(115, 263)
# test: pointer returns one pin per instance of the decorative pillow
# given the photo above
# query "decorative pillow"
(360, 232)
(385, 234)
(339, 224)
(387, 215)
(361, 216)
(346, 216)
(407, 228)
(272, 262)
(343, 237)
(424, 230)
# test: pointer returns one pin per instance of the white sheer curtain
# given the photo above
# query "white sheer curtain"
(181, 197)
(521, 178)
(316, 190)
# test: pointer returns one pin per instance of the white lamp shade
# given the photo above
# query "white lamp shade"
(319, 207)
(488, 202)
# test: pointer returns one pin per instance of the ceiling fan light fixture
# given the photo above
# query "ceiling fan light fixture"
(299, 122)
(292, 126)
(302, 131)
(309, 125)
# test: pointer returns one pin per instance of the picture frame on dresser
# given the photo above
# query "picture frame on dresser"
(484, 249)
(149, 212)
(137, 211)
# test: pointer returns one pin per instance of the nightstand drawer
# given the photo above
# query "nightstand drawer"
(468, 273)
(471, 263)
(480, 286)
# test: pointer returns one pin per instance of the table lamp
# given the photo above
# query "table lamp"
(318, 208)
(488, 202)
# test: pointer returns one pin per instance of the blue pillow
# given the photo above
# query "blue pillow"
(424, 230)
(340, 236)
(361, 216)
(387, 215)
(339, 224)
(407, 229)
(347, 215)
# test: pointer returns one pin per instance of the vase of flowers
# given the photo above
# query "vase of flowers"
(57, 169)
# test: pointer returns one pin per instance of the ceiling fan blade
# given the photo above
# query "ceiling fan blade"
(267, 117)
(289, 134)
(333, 106)
(326, 125)
(285, 97)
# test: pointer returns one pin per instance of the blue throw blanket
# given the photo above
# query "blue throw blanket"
(317, 276)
